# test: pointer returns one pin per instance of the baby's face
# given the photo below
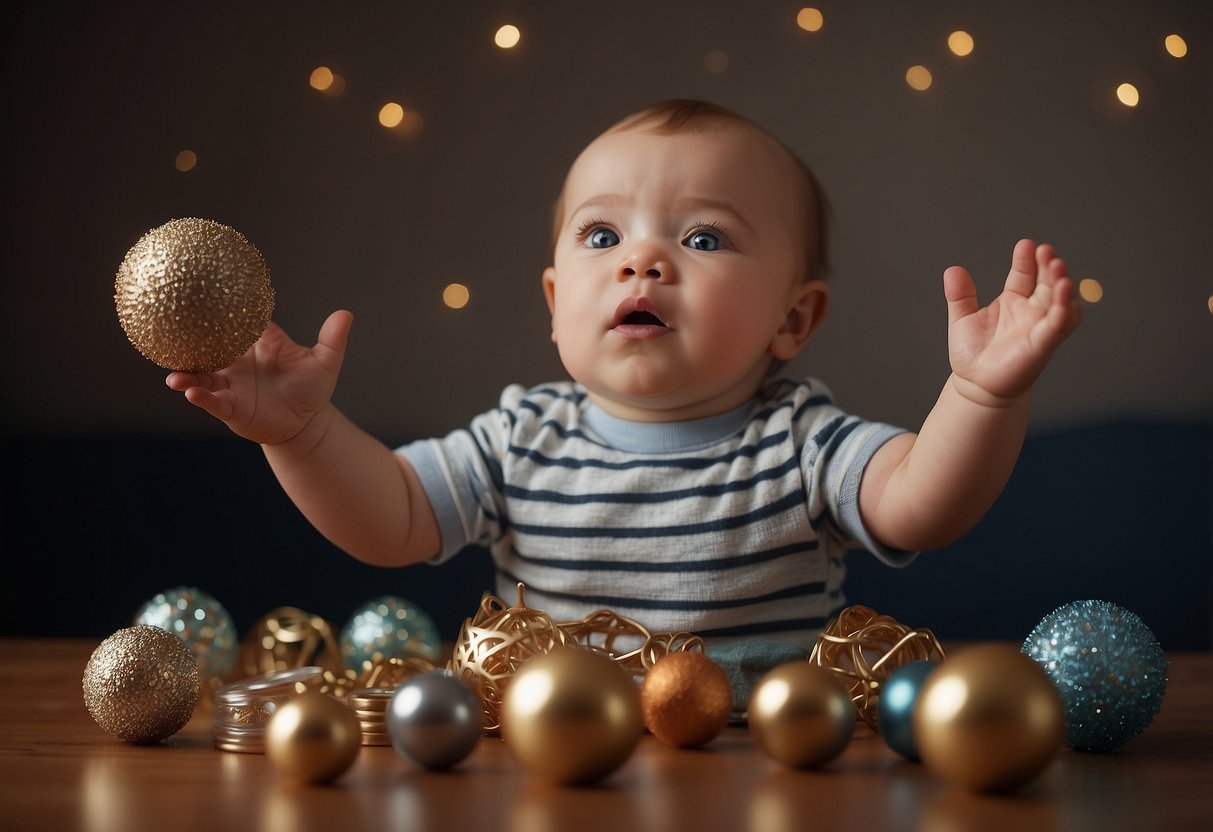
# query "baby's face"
(676, 261)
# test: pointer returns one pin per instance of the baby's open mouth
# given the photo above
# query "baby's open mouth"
(642, 319)
(639, 317)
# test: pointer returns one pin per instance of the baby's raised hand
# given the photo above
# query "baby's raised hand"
(998, 351)
(271, 393)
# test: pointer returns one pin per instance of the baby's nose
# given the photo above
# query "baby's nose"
(645, 261)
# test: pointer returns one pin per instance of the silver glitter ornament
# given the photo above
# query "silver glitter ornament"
(141, 684)
(434, 720)
(388, 626)
(1107, 665)
(199, 620)
(193, 295)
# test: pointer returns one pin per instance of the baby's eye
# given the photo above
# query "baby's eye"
(703, 241)
(602, 238)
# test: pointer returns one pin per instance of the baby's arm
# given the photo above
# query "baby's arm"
(354, 490)
(923, 491)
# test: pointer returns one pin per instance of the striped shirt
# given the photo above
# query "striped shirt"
(731, 527)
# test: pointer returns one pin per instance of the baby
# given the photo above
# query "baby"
(675, 479)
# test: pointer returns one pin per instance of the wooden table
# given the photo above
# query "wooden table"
(59, 771)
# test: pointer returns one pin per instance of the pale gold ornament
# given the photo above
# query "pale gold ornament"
(863, 648)
(313, 738)
(686, 699)
(141, 684)
(801, 715)
(193, 295)
(988, 719)
(571, 716)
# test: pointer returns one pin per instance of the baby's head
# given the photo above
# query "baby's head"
(688, 255)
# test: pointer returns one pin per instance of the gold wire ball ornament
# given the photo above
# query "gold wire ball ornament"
(863, 648)
(141, 684)
(497, 641)
(288, 637)
(193, 295)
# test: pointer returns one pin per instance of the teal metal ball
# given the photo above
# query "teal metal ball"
(895, 707)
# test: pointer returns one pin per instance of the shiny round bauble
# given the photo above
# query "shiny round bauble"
(686, 699)
(801, 715)
(1108, 667)
(387, 627)
(312, 738)
(571, 716)
(895, 707)
(988, 719)
(434, 720)
(199, 620)
(141, 684)
(193, 295)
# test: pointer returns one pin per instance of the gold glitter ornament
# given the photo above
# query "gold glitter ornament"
(193, 295)
(313, 738)
(988, 719)
(863, 648)
(800, 715)
(686, 699)
(571, 716)
(141, 684)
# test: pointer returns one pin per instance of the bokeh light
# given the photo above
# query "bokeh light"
(1090, 290)
(321, 79)
(1128, 95)
(507, 36)
(186, 160)
(456, 295)
(809, 19)
(918, 77)
(1176, 46)
(716, 61)
(391, 114)
(961, 43)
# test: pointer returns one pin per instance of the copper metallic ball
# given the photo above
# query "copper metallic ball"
(193, 295)
(571, 716)
(141, 684)
(988, 719)
(801, 715)
(313, 738)
(686, 699)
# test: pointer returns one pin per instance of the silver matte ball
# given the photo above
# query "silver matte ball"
(434, 720)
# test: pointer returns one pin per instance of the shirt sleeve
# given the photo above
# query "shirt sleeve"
(461, 476)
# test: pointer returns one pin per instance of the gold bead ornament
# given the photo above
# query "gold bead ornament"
(313, 738)
(141, 684)
(686, 699)
(801, 715)
(571, 716)
(988, 719)
(193, 295)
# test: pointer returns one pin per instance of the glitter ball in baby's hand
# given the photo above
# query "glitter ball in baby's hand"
(1107, 665)
(193, 295)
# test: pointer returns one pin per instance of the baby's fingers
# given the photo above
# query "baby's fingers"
(218, 406)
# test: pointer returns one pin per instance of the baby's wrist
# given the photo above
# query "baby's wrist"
(975, 394)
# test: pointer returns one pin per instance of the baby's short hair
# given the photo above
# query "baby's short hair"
(680, 115)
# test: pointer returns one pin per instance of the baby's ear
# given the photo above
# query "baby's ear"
(806, 309)
(549, 293)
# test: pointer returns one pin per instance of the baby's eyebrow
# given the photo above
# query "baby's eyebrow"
(719, 206)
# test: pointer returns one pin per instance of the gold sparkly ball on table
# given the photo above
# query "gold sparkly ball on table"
(800, 715)
(313, 738)
(988, 719)
(141, 684)
(686, 699)
(571, 716)
(193, 295)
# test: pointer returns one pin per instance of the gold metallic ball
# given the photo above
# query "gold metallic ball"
(800, 715)
(571, 716)
(193, 295)
(313, 738)
(141, 684)
(988, 719)
(686, 699)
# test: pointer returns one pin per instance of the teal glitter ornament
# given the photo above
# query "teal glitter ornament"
(1107, 665)
(199, 620)
(388, 626)
(895, 707)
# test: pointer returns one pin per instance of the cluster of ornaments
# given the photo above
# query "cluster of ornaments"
(1091, 676)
